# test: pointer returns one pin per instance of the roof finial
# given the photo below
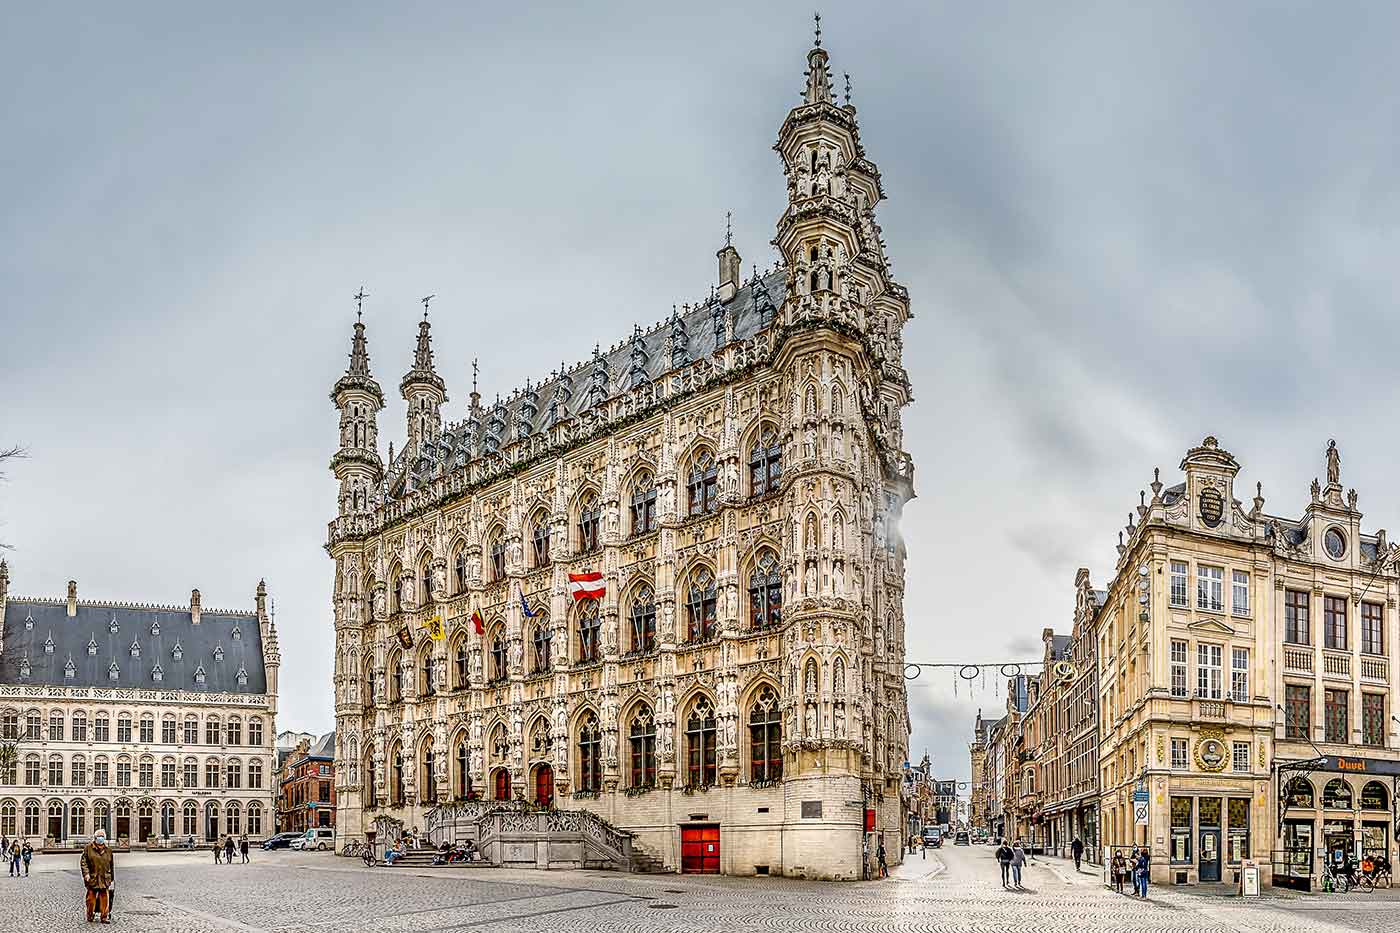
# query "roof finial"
(817, 18)
(360, 297)
(425, 305)
(728, 228)
(474, 375)
(847, 75)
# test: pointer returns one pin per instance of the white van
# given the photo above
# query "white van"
(320, 838)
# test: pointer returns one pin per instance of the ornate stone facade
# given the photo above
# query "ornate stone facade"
(156, 723)
(737, 475)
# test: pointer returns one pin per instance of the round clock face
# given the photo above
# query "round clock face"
(1212, 507)
(1335, 542)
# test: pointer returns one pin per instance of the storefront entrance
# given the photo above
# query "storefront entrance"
(1209, 863)
(700, 850)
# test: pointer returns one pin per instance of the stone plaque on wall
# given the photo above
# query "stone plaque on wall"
(811, 809)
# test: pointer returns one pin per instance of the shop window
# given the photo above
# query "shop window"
(1181, 829)
(1238, 842)
(1374, 796)
(1300, 794)
(1336, 795)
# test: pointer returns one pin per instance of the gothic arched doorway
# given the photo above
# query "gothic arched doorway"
(544, 786)
(502, 784)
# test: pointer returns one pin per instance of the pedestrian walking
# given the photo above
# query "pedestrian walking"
(228, 850)
(99, 871)
(1144, 863)
(243, 848)
(880, 857)
(1003, 854)
(26, 853)
(923, 849)
(1118, 868)
(1076, 849)
(1018, 861)
(218, 853)
(13, 857)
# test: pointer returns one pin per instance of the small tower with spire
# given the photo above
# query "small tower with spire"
(730, 265)
(359, 399)
(423, 389)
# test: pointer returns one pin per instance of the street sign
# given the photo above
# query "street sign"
(1140, 806)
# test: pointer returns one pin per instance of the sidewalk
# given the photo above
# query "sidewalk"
(1063, 868)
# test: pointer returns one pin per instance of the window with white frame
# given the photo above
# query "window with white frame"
(1208, 671)
(1179, 684)
(1239, 675)
(1179, 761)
(1178, 583)
(1240, 759)
(1239, 592)
(1210, 584)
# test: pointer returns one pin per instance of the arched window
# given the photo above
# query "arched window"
(589, 627)
(255, 773)
(396, 792)
(395, 672)
(500, 745)
(765, 738)
(77, 818)
(499, 669)
(463, 783)
(368, 682)
(703, 485)
(459, 570)
(765, 463)
(540, 641)
(8, 814)
(56, 726)
(31, 818)
(590, 765)
(540, 740)
(642, 739)
(189, 819)
(233, 733)
(396, 575)
(588, 514)
(427, 783)
(234, 773)
(232, 812)
(644, 504)
(1336, 795)
(425, 583)
(766, 592)
(79, 727)
(55, 826)
(460, 662)
(211, 822)
(370, 791)
(700, 606)
(167, 819)
(539, 539)
(700, 744)
(498, 559)
(253, 825)
(426, 685)
(643, 617)
(1374, 796)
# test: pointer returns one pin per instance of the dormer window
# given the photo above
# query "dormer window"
(199, 674)
(218, 652)
(29, 622)
(177, 652)
(135, 649)
(242, 677)
(155, 628)
(48, 644)
(113, 672)
(157, 673)
(70, 670)
(112, 626)
(92, 647)
(237, 633)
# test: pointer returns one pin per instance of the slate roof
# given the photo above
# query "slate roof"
(694, 334)
(31, 625)
(325, 748)
(1059, 644)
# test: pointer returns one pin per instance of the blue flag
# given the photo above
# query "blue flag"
(525, 606)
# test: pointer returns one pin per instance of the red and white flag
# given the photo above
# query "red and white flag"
(587, 585)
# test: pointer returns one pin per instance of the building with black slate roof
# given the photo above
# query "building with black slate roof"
(153, 722)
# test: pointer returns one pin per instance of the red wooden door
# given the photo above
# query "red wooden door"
(502, 784)
(544, 786)
(700, 850)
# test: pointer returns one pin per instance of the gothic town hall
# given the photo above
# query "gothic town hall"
(734, 699)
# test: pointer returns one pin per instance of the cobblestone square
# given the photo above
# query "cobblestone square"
(954, 890)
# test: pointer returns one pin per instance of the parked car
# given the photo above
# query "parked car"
(320, 838)
(280, 841)
(962, 839)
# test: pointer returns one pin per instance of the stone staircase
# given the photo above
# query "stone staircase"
(513, 834)
(645, 862)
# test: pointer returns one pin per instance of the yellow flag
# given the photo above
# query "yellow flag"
(436, 630)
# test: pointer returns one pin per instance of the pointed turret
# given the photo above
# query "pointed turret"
(358, 397)
(423, 388)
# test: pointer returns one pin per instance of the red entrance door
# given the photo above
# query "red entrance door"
(502, 784)
(544, 786)
(700, 850)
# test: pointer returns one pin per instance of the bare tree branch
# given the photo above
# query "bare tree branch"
(10, 453)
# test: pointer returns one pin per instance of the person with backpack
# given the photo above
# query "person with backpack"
(1018, 861)
(1004, 854)
(1118, 868)
(1140, 872)
(28, 853)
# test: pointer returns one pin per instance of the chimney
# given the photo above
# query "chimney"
(729, 274)
(72, 598)
(194, 607)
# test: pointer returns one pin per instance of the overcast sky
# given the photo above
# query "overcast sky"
(1123, 227)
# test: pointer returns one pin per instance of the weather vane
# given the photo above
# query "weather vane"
(425, 305)
(360, 297)
(848, 88)
(728, 228)
(818, 17)
(473, 375)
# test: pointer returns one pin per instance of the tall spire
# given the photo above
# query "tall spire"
(422, 387)
(423, 356)
(359, 352)
(818, 74)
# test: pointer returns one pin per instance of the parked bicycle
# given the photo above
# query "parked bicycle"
(1338, 882)
(353, 849)
(1376, 870)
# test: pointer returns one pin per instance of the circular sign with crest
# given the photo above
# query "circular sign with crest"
(1212, 507)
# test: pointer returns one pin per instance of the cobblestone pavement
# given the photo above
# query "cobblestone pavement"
(955, 890)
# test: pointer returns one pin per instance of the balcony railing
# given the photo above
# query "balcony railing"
(1336, 664)
(1212, 709)
(1298, 659)
(1375, 669)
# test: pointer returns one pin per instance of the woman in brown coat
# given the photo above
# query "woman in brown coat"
(98, 872)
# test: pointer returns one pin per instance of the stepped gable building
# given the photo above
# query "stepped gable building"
(1247, 676)
(737, 475)
(155, 723)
